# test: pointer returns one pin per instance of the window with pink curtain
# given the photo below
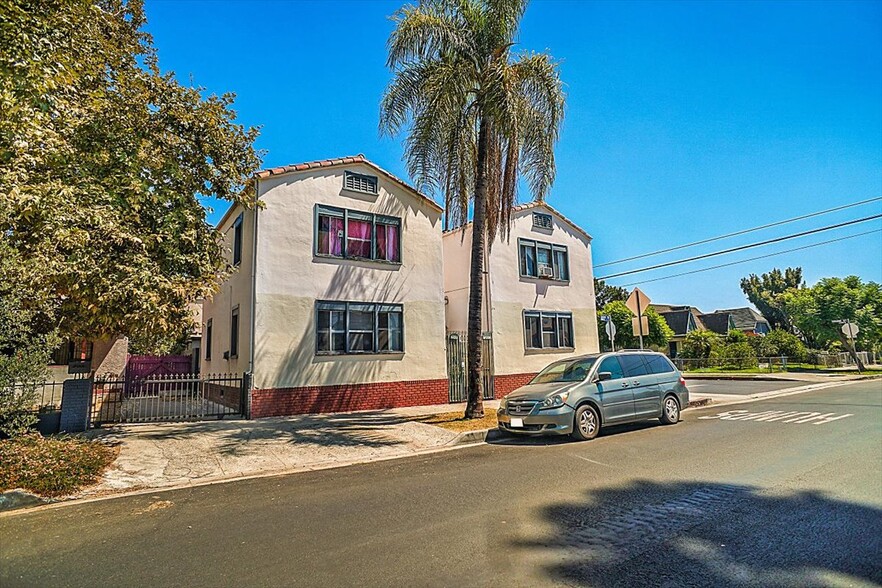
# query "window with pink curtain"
(358, 238)
(330, 237)
(387, 242)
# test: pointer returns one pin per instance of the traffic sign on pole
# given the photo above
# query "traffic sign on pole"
(611, 333)
(637, 303)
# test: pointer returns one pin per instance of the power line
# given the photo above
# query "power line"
(742, 247)
(735, 234)
(706, 269)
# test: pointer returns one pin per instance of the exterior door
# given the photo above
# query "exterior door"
(616, 398)
(644, 385)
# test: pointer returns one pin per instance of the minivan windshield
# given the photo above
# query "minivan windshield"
(572, 370)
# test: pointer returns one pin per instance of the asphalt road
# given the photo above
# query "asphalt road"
(738, 387)
(782, 492)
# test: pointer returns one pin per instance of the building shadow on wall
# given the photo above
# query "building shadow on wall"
(706, 534)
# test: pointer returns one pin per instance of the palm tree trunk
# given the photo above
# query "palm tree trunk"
(475, 405)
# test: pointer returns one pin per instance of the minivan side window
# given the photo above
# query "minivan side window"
(633, 364)
(658, 364)
(611, 365)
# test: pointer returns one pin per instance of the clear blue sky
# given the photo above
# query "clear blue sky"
(684, 120)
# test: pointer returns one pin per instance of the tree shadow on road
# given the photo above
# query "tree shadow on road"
(709, 534)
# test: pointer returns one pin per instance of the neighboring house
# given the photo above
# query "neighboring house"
(747, 320)
(538, 293)
(682, 320)
(338, 300)
(102, 357)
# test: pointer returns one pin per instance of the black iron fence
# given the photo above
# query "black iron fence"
(457, 372)
(174, 397)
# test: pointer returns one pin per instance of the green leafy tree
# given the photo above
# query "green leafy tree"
(698, 346)
(659, 331)
(777, 343)
(479, 117)
(815, 309)
(736, 336)
(604, 293)
(766, 291)
(103, 160)
(734, 355)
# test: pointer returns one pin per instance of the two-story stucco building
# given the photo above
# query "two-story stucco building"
(337, 302)
(538, 302)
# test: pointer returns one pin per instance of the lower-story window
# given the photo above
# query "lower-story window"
(548, 330)
(358, 327)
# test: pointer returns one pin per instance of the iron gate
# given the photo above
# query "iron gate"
(168, 397)
(457, 372)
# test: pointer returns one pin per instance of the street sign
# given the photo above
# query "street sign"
(640, 328)
(637, 302)
(611, 330)
(605, 318)
(850, 329)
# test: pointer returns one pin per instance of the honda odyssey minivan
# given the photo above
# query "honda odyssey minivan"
(579, 395)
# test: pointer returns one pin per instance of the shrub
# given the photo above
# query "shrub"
(734, 356)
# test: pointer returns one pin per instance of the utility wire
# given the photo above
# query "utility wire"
(735, 234)
(749, 246)
(706, 269)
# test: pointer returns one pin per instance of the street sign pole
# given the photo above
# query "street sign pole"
(640, 321)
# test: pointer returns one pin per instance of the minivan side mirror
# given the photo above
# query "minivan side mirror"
(601, 376)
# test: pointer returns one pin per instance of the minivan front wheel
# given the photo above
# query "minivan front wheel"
(670, 411)
(586, 423)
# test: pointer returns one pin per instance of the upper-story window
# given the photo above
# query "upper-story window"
(357, 235)
(542, 221)
(237, 240)
(360, 182)
(543, 260)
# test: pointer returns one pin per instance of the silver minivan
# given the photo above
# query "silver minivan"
(579, 395)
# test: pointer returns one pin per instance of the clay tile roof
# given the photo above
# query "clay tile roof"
(535, 204)
(360, 158)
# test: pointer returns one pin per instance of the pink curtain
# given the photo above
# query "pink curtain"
(330, 235)
(387, 242)
(359, 244)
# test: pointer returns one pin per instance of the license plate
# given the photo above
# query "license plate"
(517, 422)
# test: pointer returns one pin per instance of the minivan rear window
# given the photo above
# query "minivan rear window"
(658, 364)
(633, 364)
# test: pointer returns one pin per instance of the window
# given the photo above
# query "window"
(360, 182)
(357, 235)
(633, 364)
(565, 371)
(208, 334)
(548, 330)
(543, 260)
(358, 327)
(658, 364)
(237, 241)
(612, 365)
(542, 221)
(65, 353)
(234, 332)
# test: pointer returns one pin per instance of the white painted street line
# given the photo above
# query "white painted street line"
(592, 461)
(782, 416)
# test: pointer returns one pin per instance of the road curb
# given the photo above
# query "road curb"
(471, 437)
(751, 377)
(699, 403)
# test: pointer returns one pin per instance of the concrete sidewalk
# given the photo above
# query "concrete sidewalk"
(167, 455)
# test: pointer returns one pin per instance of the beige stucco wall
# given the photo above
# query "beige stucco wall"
(290, 279)
(234, 291)
(510, 294)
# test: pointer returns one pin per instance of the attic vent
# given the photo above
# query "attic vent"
(542, 221)
(360, 182)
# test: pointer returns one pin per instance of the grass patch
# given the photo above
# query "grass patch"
(454, 421)
(52, 466)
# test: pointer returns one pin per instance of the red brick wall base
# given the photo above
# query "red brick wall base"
(347, 397)
(503, 384)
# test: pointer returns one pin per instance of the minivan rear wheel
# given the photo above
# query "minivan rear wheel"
(586, 423)
(670, 411)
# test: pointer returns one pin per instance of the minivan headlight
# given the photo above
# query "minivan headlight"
(554, 401)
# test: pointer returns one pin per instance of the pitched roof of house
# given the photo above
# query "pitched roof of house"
(678, 320)
(535, 204)
(745, 318)
(718, 322)
(348, 160)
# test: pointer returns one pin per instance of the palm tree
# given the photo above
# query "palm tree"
(480, 117)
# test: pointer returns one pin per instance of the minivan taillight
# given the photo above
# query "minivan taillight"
(682, 381)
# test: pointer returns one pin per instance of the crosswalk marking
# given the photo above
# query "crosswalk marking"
(781, 416)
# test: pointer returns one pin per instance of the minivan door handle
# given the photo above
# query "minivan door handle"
(624, 384)
(636, 382)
